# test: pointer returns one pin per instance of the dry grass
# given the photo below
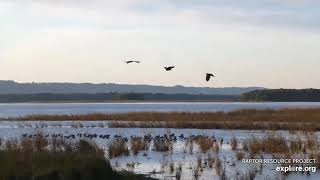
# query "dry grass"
(277, 144)
(316, 156)
(271, 144)
(34, 158)
(118, 147)
(296, 145)
(234, 143)
(284, 119)
(138, 144)
(205, 143)
(162, 145)
(311, 142)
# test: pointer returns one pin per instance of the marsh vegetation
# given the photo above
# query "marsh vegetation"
(159, 151)
(181, 156)
(44, 158)
(267, 119)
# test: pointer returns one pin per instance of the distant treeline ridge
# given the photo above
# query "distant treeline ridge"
(283, 95)
(51, 97)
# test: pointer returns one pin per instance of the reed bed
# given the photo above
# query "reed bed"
(44, 159)
(270, 144)
(138, 144)
(279, 145)
(205, 143)
(307, 119)
(162, 145)
(117, 148)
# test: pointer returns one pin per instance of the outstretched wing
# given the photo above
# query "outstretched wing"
(169, 68)
(208, 76)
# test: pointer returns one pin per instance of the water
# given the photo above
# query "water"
(20, 109)
(149, 161)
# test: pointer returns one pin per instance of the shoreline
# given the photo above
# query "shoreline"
(150, 101)
(121, 101)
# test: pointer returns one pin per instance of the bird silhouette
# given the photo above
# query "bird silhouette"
(128, 62)
(169, 68)
(208, 76)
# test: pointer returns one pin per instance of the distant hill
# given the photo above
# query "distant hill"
(104, 97)
(12, 87)
(283, 95)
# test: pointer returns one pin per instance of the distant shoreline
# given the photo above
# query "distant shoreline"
(114, 97)
(124, 101)
(151, 101)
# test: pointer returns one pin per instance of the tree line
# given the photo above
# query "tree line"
(82, 97)
(283, 95)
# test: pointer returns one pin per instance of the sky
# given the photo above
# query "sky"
(265, 43)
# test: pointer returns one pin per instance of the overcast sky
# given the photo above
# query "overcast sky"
(269, 43)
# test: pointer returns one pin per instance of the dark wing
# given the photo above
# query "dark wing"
(128, 62)
(169, 68)
(208, 76)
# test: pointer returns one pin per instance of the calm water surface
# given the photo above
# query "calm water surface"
(19, 109)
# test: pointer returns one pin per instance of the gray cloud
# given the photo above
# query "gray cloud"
(300, 14)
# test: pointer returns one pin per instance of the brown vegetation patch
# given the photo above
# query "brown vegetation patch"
(118, 147)
(138, 144)
(284, 119)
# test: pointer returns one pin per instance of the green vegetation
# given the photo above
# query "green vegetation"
(284, 119)
(283, 95)
(32, 159)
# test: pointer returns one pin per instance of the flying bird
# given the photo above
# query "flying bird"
(128, 62)
(208, 76)
(169, 68)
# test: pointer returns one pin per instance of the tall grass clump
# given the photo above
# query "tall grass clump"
(138, 144)
(162, 145)
(234, 143)
(270, 144)
(205, 143)
(118, 147)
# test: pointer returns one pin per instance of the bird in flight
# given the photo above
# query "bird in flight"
(169, 68)
(208, 76)
(128, 62)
